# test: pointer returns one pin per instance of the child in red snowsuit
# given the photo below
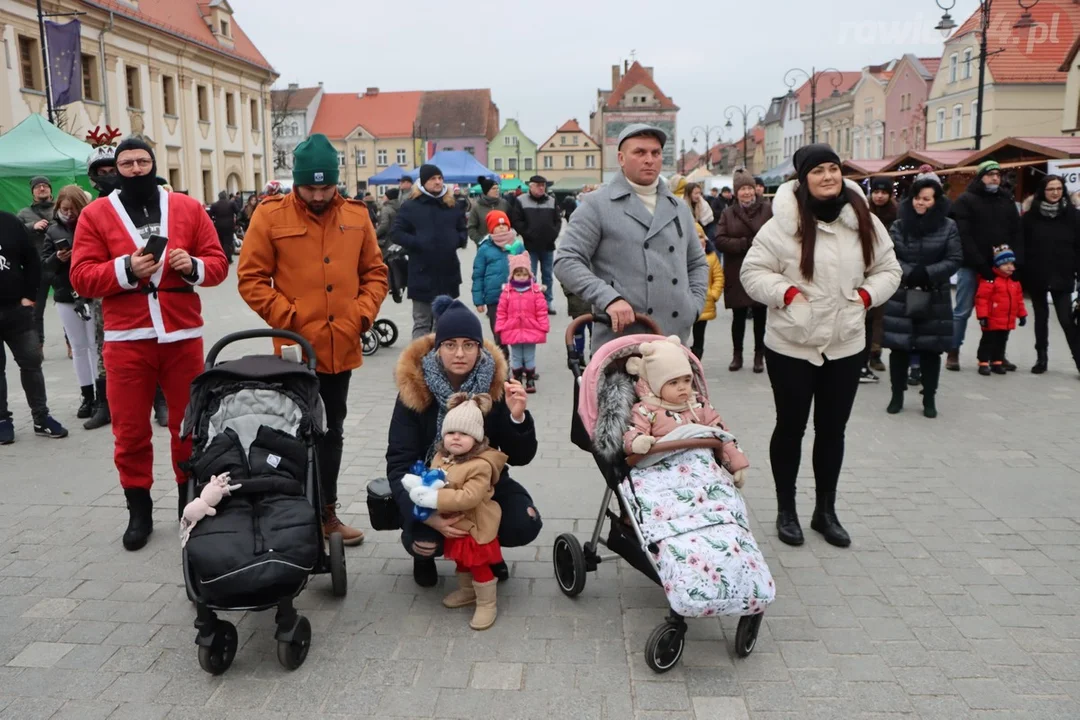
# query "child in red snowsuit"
(999, 303)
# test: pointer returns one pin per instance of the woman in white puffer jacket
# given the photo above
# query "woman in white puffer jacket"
(818, 265)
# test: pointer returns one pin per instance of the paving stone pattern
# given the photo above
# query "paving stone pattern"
(958, 599)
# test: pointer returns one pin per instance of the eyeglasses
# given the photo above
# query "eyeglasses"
(141, 162)
(466, 348)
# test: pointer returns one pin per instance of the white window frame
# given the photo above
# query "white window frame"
(940, 124)
(361, 158)
(528, 163)
(974, 114)
(966, 72)
(497, 164)
(568, 162)
(549, 162)
(590, 161)
(511, 164)
(402, 156)
(382, 158)
(341, 158)
(957, 120)
(953, 60)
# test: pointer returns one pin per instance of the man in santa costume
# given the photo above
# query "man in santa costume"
(153, 317)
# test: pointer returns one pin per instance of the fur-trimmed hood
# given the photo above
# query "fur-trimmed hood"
(447, 199)
(785, 208)
(409, 374)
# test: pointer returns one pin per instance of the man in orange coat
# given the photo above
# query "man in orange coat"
(310, 263)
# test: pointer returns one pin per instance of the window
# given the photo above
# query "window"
(512, 163)
(168, 94)
(562, 139)
(470, 149)
(827, 133)
(974, 115)
(230, 109)
(361, 158)
(892, 142)
(967, 65)
(549, 162)
(857, 153)
(941, 124)
(258, 179)
(256, 111)
(29, 62)
(497, 164)
(380, 158)
(207, 189)
(225, 28)
(569, 161)
(952, 67)
(90, 81)
(134, 90)
(341, 158)
(294, 129)
(590, 161)
(174, 178)
(957, 119)
(402, 156)
(508, 141)
(576, 140)
(203, 101)
(528, 164)
(879, 147)
(868, 115)
(847, 141)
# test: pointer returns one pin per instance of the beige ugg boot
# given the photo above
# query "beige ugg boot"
(484, 615)
(464, 595)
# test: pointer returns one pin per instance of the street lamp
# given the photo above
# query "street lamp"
(946, 25)
(745, 112)
(707, 131)
(813, 77)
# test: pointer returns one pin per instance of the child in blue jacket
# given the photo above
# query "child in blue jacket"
(491, 268)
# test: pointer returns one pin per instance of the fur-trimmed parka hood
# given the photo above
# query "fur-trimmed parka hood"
(409, 373)
(785, 208)
(447, 199)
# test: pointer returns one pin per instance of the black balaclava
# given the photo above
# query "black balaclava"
(141, 191)
(106, 184)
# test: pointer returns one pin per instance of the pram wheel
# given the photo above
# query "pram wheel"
(338, 577)
(569, 561)
(387, 332)
(369, 343)
(746, 634)
(665, 646)
(292, 653)
(216, 657)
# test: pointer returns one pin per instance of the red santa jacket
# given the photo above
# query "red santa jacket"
(1000, 301)
(105, 236)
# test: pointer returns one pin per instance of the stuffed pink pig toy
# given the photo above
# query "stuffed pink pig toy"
(205, 504)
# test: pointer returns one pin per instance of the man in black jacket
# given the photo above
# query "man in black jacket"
(224, 216)
(20, 277)
(539, 222)
(37, 218)
(986, 216)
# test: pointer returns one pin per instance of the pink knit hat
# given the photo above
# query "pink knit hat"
(521, 260)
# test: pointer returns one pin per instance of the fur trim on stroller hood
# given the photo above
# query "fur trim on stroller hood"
(785, 208)
(409, 373)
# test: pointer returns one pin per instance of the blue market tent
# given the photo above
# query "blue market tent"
(389, 176)
(776, 176)
(457, 166)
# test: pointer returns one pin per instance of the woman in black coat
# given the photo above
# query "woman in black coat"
(1052, 262)
(457, 359)
(927, 244)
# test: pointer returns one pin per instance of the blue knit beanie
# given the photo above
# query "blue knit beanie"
(1003, 254)
(454, 320)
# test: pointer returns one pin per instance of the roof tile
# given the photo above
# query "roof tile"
(825, 80)
(294, 100)
(1032, 55)
(458, 113)
(384, 115)
(638, 75)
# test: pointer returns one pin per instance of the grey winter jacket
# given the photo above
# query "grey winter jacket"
(477, 224)
(613, 248)
(387, 214)
(34, 214)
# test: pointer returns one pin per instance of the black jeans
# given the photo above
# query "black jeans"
(519, 526)
(225, 237)
(992, 346)
(1063, 309)
(334, 391)
(39, 305)
(698, 346)
(738, 327)
(18, 333)
(492, 316)
(795, 384)
(900, 361)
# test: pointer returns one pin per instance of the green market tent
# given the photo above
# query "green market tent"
(573, 184)
(37, 147)
(505, 186)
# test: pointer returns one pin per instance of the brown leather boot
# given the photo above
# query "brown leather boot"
(332, 524)
(952, 361)
(736, 362)
(759, 361)
(464, 595)
(484, 615)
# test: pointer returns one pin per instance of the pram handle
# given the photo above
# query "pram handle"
(605, 319)
(211, 357)
(665, 447)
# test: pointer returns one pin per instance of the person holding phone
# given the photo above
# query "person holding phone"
(144, 251)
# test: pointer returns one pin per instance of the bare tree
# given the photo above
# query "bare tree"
(66, 121)
(280, 100)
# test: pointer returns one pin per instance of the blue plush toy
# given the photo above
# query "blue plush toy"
(419, 476)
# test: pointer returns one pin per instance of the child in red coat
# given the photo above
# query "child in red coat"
(998, 305)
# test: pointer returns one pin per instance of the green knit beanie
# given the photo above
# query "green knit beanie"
(315, 162)
(987, 166)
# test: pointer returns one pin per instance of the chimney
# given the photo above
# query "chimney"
(294, 86)
(320, 83)
(615, 76)
(649, 70)
(371, 92)
(626, 65)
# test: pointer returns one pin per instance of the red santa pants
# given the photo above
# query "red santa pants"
(134, 369)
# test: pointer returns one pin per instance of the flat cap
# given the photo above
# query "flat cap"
(637, 129)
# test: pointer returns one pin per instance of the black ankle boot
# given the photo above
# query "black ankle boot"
(501, 571)
(1041, 363)
(825, 521)
(788, 528)
(181, 491)
(140, 518)
(896, 404)
(87, 408)
(424, 571)
(101, 416)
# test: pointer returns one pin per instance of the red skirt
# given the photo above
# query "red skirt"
(468, 553)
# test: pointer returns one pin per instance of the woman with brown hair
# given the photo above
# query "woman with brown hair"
(819, 264)
(703, 212)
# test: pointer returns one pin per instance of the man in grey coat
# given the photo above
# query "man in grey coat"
(633, 247)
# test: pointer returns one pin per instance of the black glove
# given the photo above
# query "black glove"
(82, 309)
(1023, 321)
(983, 322)
(918, 277)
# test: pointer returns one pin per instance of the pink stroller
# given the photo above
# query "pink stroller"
(680, 520)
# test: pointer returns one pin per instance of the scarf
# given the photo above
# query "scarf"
(521, 285)
(703, 214)
(1049, 209)
(478, 381)
(501, 240)
(828, 210)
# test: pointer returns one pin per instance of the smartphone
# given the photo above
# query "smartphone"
(155, 246)
(62, 244)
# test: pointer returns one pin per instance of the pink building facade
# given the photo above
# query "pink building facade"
(905, 103)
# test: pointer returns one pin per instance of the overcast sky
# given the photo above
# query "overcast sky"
(544, 61)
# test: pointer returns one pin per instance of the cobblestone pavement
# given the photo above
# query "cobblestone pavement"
(958, 599)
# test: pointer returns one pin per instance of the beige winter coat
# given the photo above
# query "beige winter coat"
(832, 323)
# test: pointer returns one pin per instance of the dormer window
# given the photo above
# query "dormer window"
(224, 24)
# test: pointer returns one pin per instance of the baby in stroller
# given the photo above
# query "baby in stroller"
(667, 400)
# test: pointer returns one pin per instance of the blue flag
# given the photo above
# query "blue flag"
(65, 61)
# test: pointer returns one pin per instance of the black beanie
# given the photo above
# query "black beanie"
(392, 193)
(427, 172)
(809, 157)
(486, 184)
(881, 183)
(454, 320)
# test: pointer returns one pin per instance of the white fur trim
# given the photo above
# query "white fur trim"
(119, 265)
(785, 207)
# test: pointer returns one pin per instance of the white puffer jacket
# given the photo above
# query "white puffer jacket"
(832, 324)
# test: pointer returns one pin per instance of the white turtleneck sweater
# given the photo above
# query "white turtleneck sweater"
(647, 193)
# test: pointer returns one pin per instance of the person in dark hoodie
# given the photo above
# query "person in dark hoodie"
(37, 218)
(1052, 263)
(882, 204)
(489, 200)
(224, 214)
(986, 216)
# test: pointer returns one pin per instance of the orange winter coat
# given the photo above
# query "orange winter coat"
(321, 276)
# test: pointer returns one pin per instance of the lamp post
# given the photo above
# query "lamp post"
(745, 112)
(707, 130)
(946, 25)
(813, 77)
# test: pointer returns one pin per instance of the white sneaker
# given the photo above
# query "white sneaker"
(866, 375)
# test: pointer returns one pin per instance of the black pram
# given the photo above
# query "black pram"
(257, 418)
